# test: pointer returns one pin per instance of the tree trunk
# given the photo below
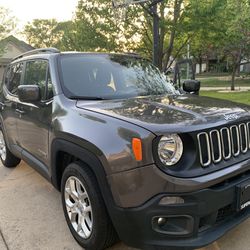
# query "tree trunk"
(200, 65)
(233, 77)
(162, 33)
(218, 65)
(236, 65)
(207, 65)
(169, 50)
(238, 71)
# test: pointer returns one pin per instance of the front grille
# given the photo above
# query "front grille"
(223, 144)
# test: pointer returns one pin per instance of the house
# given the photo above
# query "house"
(10, 47)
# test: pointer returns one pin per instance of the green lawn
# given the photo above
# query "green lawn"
(223, 82)
(205, 75)
(242, 97)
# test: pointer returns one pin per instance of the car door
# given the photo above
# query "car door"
(35, 118)
(9, 102)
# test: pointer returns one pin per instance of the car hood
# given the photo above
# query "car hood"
(178, 114)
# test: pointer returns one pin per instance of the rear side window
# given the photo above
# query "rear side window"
(36, 73)
(13, 77)
(6, 76)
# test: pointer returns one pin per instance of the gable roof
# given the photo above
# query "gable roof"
(21, 44)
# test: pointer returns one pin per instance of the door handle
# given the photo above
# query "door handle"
(19, 111)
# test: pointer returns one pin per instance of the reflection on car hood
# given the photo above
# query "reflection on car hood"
(171, 113)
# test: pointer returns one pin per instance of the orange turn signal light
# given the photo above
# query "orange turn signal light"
(137, 148)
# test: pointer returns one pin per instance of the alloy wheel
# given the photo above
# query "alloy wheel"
(78, 207)
(2, 147)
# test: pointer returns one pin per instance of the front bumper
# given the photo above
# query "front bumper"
(210, 213)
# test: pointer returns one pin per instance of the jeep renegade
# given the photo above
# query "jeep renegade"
(134, 158)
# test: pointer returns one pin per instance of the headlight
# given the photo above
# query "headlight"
(170, 149)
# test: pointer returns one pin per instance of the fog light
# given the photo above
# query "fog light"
(171, 200)
(161, 221)
(173, 224)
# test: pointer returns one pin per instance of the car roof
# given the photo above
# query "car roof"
(45, 53)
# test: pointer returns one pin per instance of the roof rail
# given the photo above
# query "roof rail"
(132, 54)
(37, 51)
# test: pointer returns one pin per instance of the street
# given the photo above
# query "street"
(31, 216)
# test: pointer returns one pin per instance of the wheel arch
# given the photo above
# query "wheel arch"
(64, 152)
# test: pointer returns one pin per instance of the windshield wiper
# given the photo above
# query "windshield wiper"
(94, 98)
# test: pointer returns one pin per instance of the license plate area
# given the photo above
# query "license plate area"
(243, 195)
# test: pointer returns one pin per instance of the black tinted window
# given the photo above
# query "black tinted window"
(7, 76)
(111, 76)
(36, 74)
(13, 77)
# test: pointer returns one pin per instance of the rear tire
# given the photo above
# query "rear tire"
(7, 158)
(84, 208)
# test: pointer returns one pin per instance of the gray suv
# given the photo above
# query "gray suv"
(134, 158)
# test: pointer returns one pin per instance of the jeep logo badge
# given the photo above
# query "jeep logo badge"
(230, 117)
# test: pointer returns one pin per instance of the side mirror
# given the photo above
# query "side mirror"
(192, 86)
(29, 93)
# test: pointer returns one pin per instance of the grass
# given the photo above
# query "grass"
(223, 82)
(205, 75)
(241, 97)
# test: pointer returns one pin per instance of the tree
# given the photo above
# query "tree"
(43, 33)
(181, 21)
(237, 39)
(96, 27)
(208, 30)
(65, 31)
(170, 14)
(7, 24)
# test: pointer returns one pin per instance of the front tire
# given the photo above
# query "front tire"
(84, 208)
(7, 158)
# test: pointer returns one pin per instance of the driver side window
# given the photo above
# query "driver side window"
(13, 77)
(37, 73)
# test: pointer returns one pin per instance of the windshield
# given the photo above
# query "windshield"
(91, 76)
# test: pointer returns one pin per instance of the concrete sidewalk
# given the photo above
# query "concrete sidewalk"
(31, 216)
(3, 244)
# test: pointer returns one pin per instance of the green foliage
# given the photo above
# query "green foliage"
(7, 24)
(203, 27)
(183, 21)
(64, 36)
(43, 33)
(213, 28)
(93, 27)
(96, 28)
(236, 43)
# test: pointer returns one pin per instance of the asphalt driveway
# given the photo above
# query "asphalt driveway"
(31, 217)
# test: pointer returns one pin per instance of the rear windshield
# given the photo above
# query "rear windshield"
(111, 77)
